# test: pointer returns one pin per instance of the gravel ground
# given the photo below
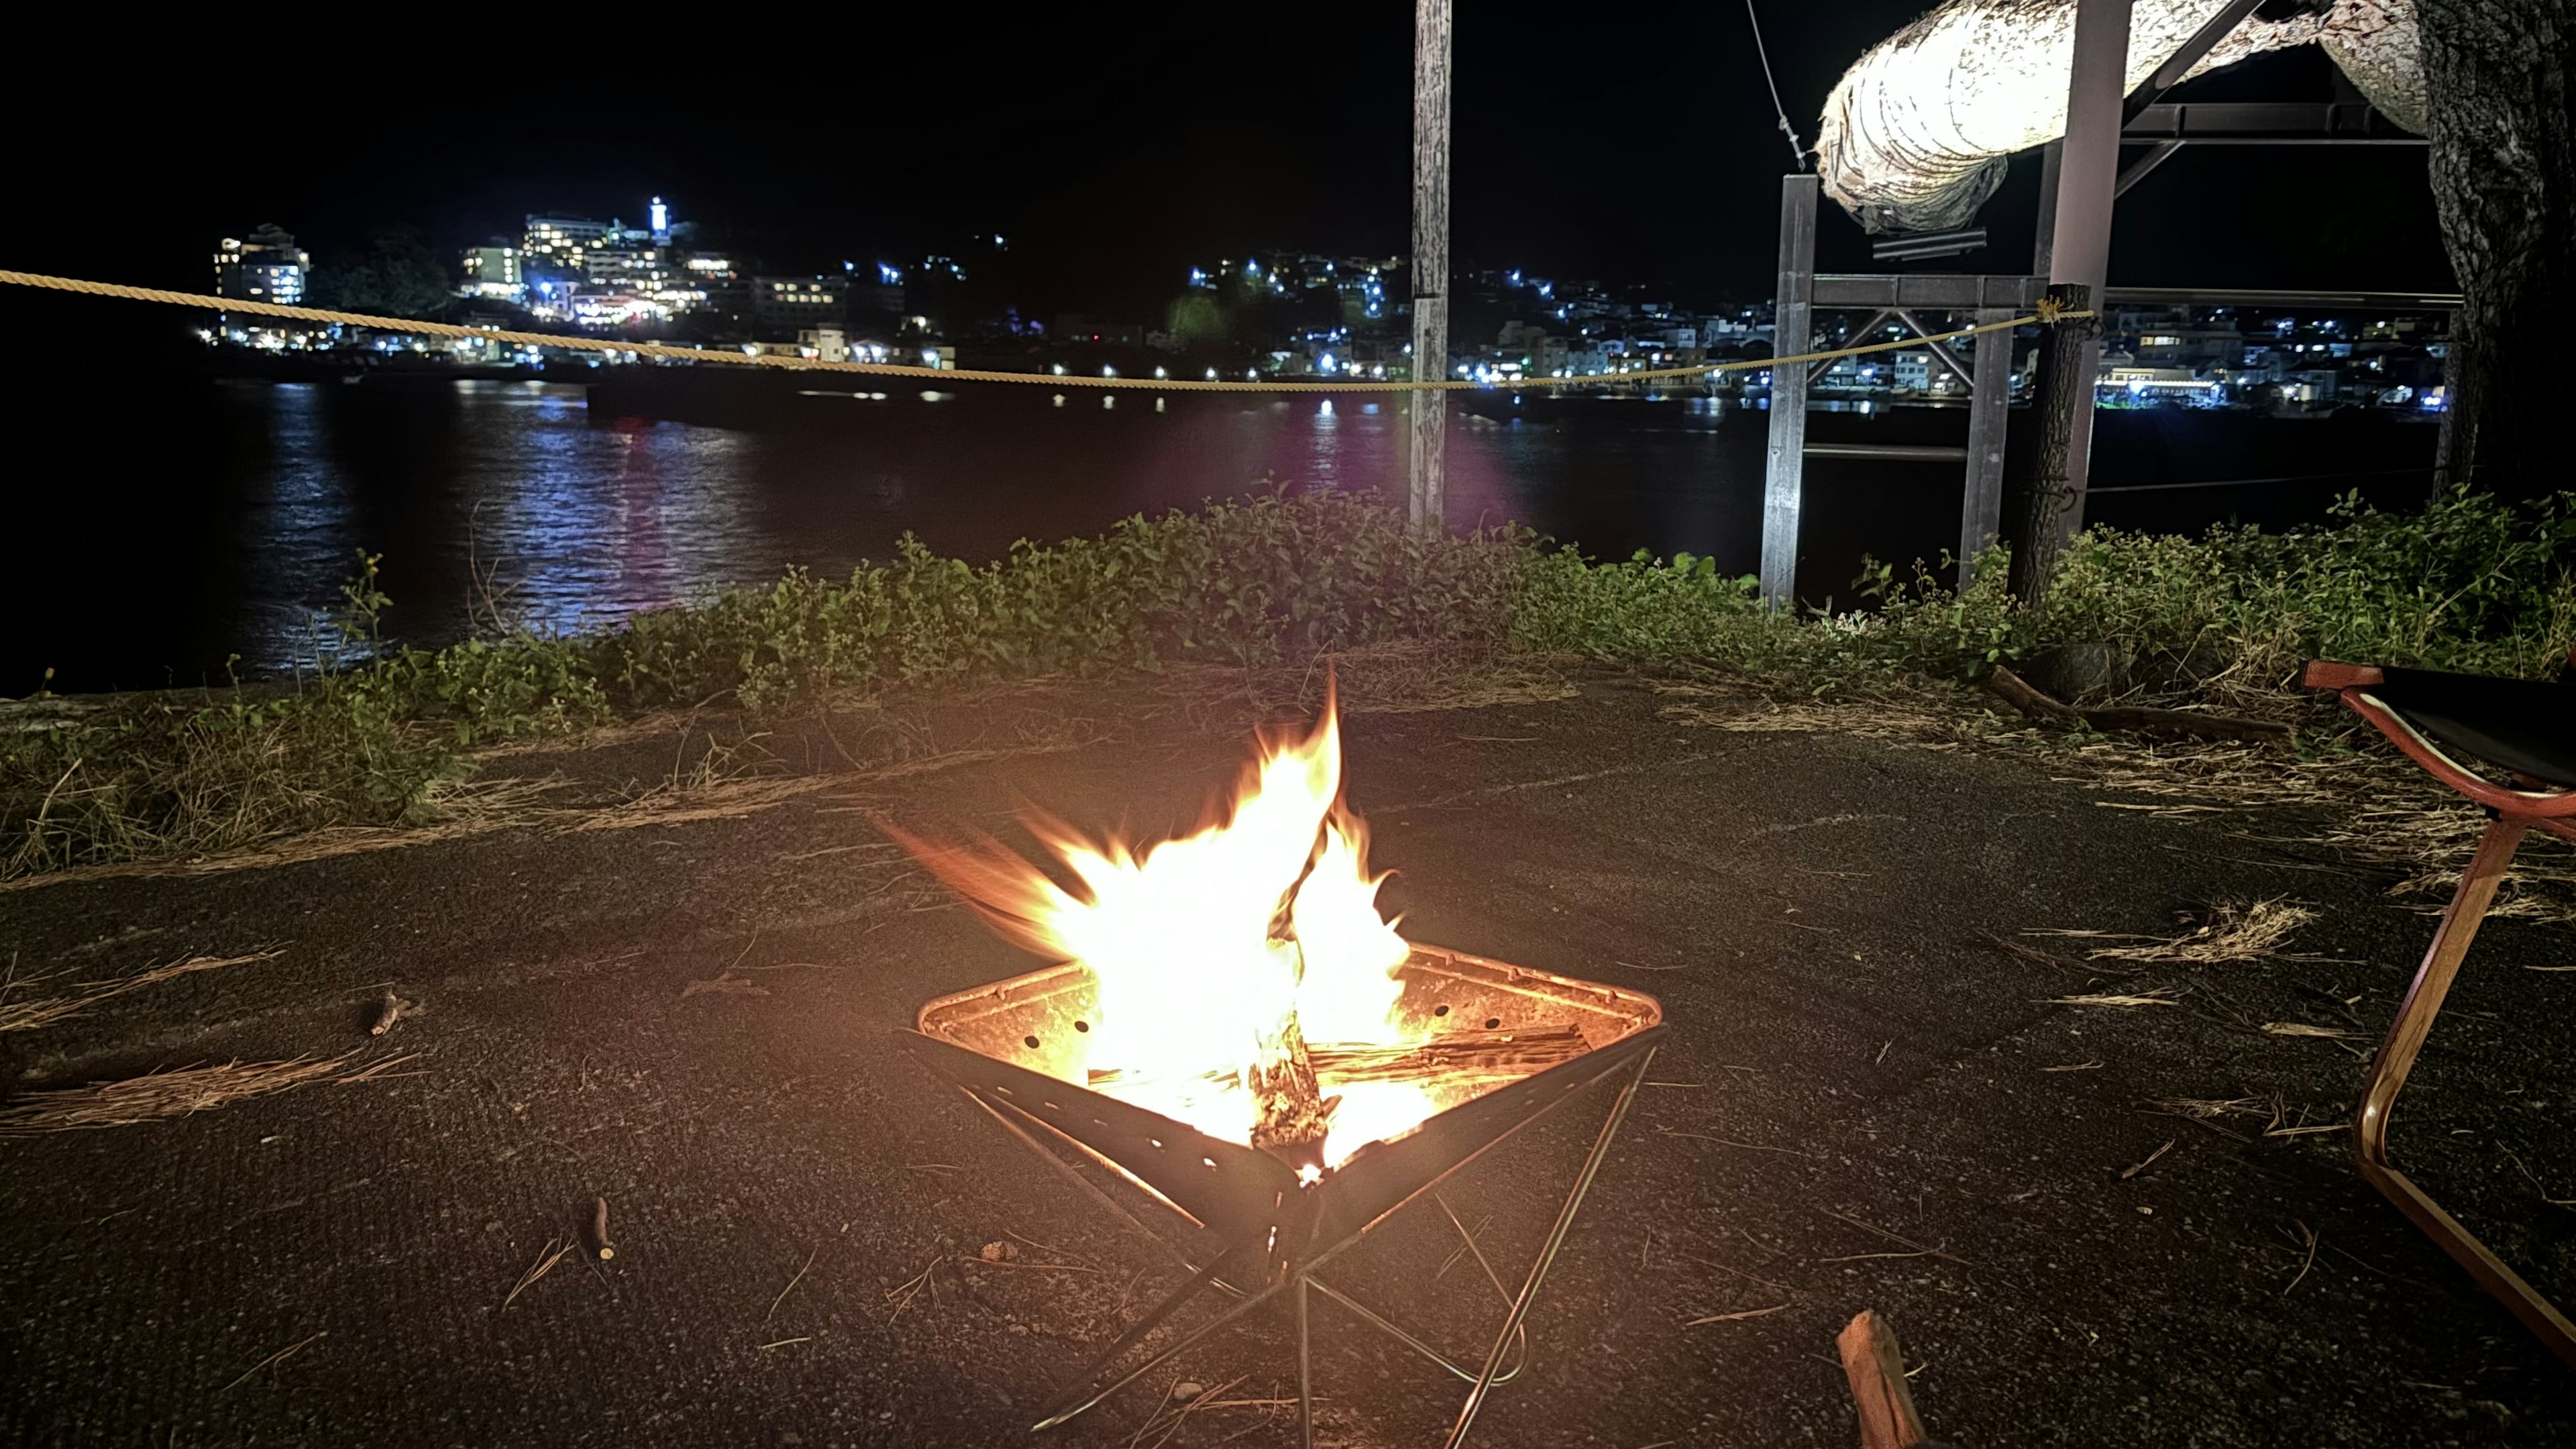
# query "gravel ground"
(1871, 1098)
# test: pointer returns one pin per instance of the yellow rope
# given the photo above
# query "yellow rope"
(943, 374)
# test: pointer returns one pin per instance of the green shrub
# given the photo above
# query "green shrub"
(2467, 583)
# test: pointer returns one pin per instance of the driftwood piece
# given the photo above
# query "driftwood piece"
(1876, 1368)
(2020, 694)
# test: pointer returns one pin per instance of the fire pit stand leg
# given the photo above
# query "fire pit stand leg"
(1087, 1392)
(1547, 1254)
(1305, 1371)
(1398, 1332)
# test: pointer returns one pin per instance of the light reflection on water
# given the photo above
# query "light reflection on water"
(178, 520)
(580, 522)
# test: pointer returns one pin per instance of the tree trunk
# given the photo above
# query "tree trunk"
(2502, 120)
(2045, 484)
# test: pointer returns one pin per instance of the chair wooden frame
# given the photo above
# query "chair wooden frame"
(2513, 811)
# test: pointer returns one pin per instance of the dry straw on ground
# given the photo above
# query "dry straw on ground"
(2235, 931)
(46, 1010)
(175, 1093)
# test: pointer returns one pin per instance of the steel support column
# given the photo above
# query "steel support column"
(1981, 511)
(1430, 269)
(1784, 469)
(2089, 170)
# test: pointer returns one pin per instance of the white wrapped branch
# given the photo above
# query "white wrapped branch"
(1915, 134)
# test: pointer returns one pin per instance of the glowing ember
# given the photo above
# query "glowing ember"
(1228, 960)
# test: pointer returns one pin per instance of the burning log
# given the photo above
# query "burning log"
(1463, 1056)
(1294, 1115)
(1466, 1056)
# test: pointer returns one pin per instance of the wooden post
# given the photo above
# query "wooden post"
(1981, 511)
(2088, 181)
(2065, 387)
(1876, 1368)
(1430, 263)
(1792, 332)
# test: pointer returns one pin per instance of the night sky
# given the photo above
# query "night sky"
(1625, 143)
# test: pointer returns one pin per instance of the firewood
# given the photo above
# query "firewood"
(1876, 1368)
(395, 1009)
(1468, 1056)
(2144, 719)
(1291, 1112)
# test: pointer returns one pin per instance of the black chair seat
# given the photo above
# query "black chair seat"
(2523, 725)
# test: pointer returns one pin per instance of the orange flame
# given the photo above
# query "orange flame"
(1200, 968)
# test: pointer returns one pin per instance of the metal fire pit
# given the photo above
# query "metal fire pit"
(1004, 1044)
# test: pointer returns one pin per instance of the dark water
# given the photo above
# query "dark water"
(169, 524)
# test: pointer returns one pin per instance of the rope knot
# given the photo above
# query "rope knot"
(2047, 311)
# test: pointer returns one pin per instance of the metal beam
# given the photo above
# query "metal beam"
(1940, 350)
(2043, 243)
(2255, 297)
(2266, 123)
(2136, 171)
(1927, 291)
(2177, 65)
(1817, 370)
(1981, 510)
(1784, 470)
(1891, 452)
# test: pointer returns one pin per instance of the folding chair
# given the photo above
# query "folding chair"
(2527, 731)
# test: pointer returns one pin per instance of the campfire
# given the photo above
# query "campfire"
(1233, 1027)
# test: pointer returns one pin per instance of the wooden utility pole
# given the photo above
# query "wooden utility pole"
(2052, 484)
(1430, 261)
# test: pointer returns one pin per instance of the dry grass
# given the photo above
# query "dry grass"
(549, 1255)
(2275, 1115)
(2235, 931)
(46, 1010)
(468, 808)
(160, 1095)
(2367, 810)
(1903, 719)
(2153, 996)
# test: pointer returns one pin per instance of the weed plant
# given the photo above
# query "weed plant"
(2467, 583)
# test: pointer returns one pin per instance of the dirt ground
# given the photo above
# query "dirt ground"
(1874, 1095)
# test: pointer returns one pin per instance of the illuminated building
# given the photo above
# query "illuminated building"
(793, 303)
(265, 266)
(495, 271)
(564, 241)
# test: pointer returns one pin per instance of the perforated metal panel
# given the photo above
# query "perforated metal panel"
(1015, 1044)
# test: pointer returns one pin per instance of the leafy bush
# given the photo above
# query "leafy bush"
(2468, 583)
